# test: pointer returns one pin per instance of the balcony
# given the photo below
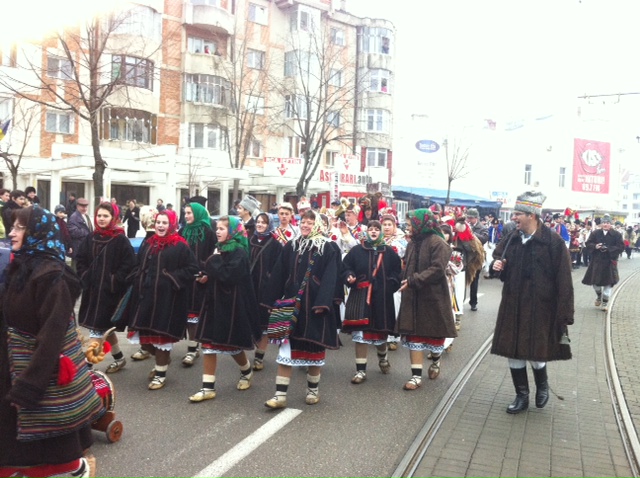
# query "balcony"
(209, 18)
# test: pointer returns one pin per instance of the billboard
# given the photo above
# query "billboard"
(591, 166)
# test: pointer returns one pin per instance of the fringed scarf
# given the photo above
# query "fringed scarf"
(171, 238)
(315, 239)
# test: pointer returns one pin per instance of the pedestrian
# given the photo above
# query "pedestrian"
(5, 196)
(264, 252)
(48, 401)
(372, 272)
(61, 218)
(247, 209)
(80, 226)
(307, 269)
(234, 210)
(480, 232)
(537, 307)
(229, 322)
(629, 241)
(605, 245)
(16, 201)
(286, 231)
(160, 205)
(425, 317)
(30, 193)
(132, 218)
(202, 242)
(71, 203)
(159, 299)
(104, 261)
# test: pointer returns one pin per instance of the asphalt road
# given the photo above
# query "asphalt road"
(355, 430)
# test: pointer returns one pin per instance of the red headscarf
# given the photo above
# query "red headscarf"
(112, 229)
(171, 238)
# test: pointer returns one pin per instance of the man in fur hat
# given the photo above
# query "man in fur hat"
(248, 208)
(537, 300)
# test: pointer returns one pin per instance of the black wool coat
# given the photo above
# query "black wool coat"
(537, 297)
(159, 299)
(103, 264)
(603, 268)
(360, 262)
(202, 251)
(263, 257)
(230, 313)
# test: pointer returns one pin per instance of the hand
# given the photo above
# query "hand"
(351, 279)
(343, 227)
(498, 265)
(404, 285)
(202, 279)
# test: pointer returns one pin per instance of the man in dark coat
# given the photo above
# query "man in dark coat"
(604, 246)
(79, 226)
(534, 264)
(481, 232)
(16, 201)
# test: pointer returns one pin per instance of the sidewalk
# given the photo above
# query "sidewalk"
(577, 436)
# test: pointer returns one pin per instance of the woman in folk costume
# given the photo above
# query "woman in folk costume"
(454, 269)
(265, 251)
(229, 321)
(48, 399)
(104, 261)
(160, 294)
(311, 261)
(372, 272)
(202, 241)
(425, 317)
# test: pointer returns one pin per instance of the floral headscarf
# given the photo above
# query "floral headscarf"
(112, 228)
(195, 232)
(236, 235)
(423, 222)
(316, 238)
(270, 226)
(368, 242)
(171, 238)
(42, 235)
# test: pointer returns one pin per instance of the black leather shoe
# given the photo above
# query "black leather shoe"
(474, 307)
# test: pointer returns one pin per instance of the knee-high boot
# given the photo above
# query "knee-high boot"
(521, 384)
(542, 386)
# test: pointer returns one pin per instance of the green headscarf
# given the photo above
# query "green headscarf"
(195, 232)
(236, 235)
(423, 222)
(370, 243)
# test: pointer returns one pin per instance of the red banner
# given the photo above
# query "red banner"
(591, 160)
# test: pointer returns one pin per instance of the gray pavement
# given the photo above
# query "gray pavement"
(576, 436)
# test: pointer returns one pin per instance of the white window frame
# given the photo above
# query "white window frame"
(59, 122)
(295, 107)
(304, 19)
(254, 148)
(290, 63)
(6, 108)
(338, 36)
(258, 14)
(377, 157)
(60, 68)
(378, 78)
(255, 59)
(197, 46)
(255, 103)
(138, 72)
(527, 173)
(8, 57)
(207, 136)
(377, 40)
(333, 118)
(377, 120)
(562, 177)
(295, 147)
(207, 89)
(335, 77)
(136, 126)
(330, 158)
(140, 20)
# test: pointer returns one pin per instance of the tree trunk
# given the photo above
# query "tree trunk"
(100, 166)
(14, 177)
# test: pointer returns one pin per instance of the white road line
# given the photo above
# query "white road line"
(246, 446)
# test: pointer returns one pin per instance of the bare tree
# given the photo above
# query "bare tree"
(27, 120)
(457, 167)
(83, 77)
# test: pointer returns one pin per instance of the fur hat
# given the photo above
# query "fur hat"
(59, 208)
(530, 202)
(472, 212)
(286, 205)
(303, 205)
(250, 203)
(605, 219)
(199, 199)
(352, 207)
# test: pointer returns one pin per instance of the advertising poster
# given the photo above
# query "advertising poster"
(591, 166)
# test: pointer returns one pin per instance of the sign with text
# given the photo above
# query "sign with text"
(591, 165)
(283, 167)
(427, 146)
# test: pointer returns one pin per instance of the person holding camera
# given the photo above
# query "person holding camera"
(604, 246)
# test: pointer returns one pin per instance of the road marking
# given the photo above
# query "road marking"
(246, 446)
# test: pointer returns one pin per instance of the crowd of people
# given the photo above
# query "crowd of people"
(349, 269)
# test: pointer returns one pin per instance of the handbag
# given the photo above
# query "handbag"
(64, 408)
(359, 303)
(284, 313)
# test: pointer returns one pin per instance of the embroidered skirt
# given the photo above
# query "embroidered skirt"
(296, 353)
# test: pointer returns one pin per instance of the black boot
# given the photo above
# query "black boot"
(542, 386)
(521, 383)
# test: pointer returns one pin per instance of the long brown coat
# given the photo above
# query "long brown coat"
(425, 309)
(603, 268)
(537, 297)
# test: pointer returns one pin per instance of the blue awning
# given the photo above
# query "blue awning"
(439, 196)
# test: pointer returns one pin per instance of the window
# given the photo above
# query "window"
(379, 81)
(207, 136)
(295, 107)
(377, 121)
(59, 122)
(376, 40)
(255, 104)
(140, 20)
(297, 61)
(330, 158)
(200, 45)
(59, 68)
(333, 118)
(376, 157)
(562, 176)
(6, 109)
(337, 36)
(255, 59)
(335, 78)
(304, 19)
(254, 148)
(8, 57)
(211, 3)
(206, 89)
(527, 174)
(132, 71)
(290, 63)
(296, 147)
(125, 124)
(258, 14)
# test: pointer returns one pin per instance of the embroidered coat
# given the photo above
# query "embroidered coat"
(425, 309)
(103, 264)
(360, 262)
(319, 293)
(537, 297)
(159, 299)
(603, 268)
(201, 251)
(42, 307)
(264, 255)
(230, 313)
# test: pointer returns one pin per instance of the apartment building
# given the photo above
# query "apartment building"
(196, 96)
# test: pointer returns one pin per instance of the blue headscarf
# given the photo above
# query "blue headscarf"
(42, 235)
(270, 226)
